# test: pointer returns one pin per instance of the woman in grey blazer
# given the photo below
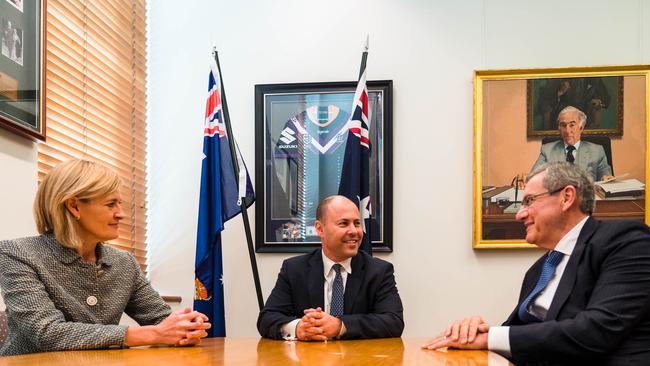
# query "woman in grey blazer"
(66, 290)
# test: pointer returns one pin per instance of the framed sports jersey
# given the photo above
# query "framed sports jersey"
(301, 131)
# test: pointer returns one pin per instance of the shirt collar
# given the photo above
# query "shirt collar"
(569, 240)
(576, 145)
(328, 263)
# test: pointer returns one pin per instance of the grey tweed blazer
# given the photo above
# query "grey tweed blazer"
(55, 301)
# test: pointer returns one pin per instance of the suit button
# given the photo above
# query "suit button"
(91, 300)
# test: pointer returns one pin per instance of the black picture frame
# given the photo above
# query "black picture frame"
(278, 228)
(22, 81)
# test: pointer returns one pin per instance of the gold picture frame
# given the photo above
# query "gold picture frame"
(504, 148)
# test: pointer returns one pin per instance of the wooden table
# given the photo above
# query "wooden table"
(256, 351)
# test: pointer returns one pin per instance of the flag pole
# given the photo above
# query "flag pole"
(364, 56)
(242, 202)
(364, 59)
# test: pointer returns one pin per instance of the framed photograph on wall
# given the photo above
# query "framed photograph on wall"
(505, 150)
(21, 67)
(301, 130)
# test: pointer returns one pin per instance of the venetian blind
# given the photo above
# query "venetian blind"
(95, 101)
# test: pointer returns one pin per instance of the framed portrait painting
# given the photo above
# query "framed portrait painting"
(518, 125)
(599, 97)
(301, 132)
(21, 67)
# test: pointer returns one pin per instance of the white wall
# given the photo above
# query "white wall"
(429, 49)
(17, 187)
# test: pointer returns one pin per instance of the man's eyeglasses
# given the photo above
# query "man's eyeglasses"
(529, 200)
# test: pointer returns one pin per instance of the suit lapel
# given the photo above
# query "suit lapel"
(558, 153)
(530, 280)
(569, 276)
(583, 154)
(316, 280)
(353, 283)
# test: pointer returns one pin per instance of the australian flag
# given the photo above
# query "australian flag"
(355, 183)
(221, 192)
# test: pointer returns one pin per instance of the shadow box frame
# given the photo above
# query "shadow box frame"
(22, 86)
(276, 105)
(480, 120)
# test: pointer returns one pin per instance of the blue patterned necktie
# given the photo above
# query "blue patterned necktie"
(569, 154)
(336, 305)
(550, 264)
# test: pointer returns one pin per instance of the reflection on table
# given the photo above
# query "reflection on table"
(500, 225)
(255, 351)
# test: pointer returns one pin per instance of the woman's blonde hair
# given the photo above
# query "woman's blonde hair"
(83, 179)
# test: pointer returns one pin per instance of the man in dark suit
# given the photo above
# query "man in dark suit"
(334, 292)
(587, 300)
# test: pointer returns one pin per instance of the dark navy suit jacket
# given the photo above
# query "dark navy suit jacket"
(600, 314)
(372, 308)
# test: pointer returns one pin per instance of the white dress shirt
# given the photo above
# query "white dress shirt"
(289, 329)
(499, 336)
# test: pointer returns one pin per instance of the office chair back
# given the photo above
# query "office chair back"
(603, 141)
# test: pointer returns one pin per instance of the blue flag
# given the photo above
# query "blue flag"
(219, 201)
(355, 180)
